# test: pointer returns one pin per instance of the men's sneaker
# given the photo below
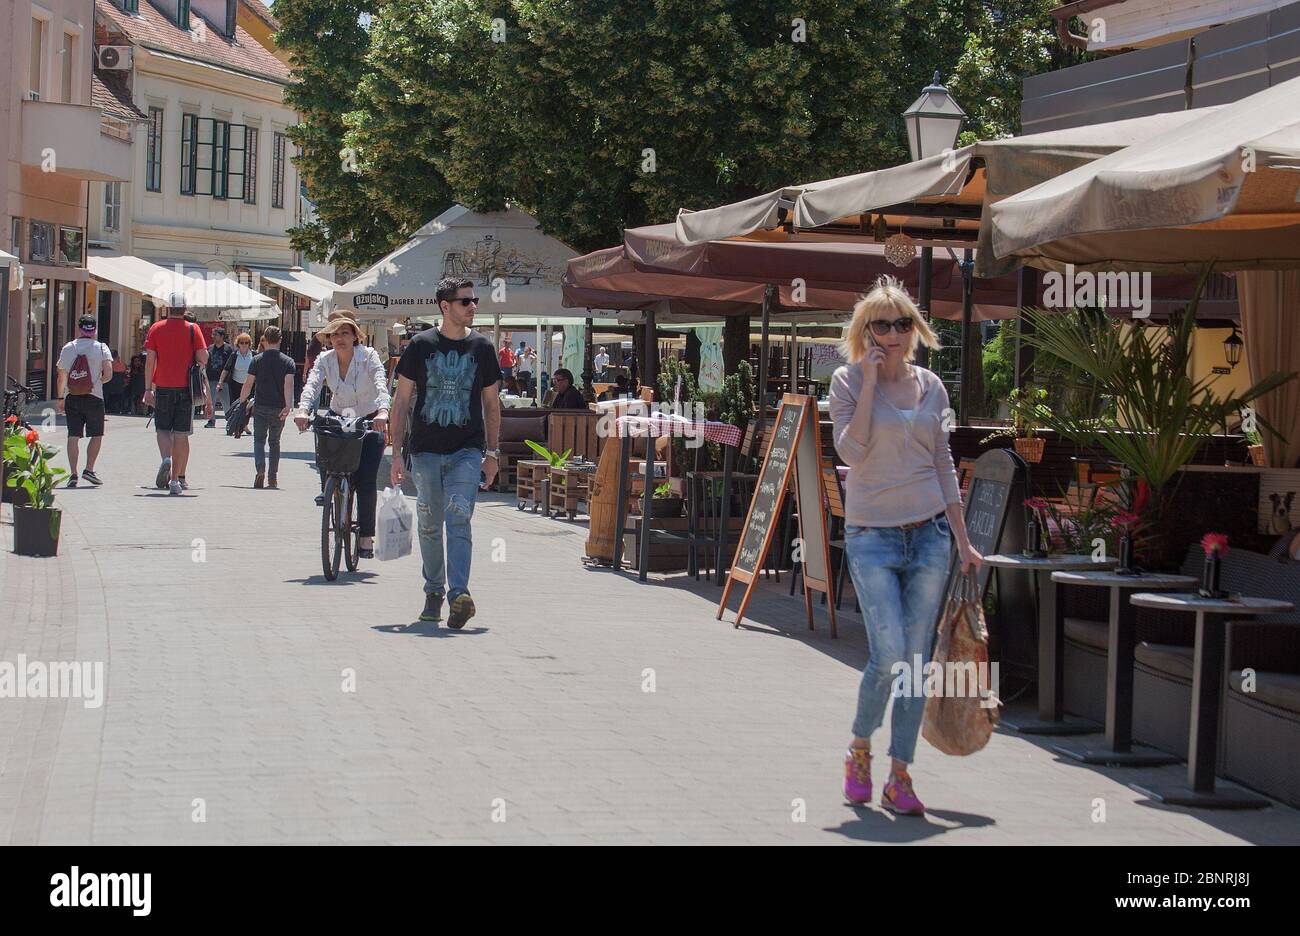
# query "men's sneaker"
(320, 500)
(432, 608)
(211, 423)
(185, 485)
(164, 474)
(174, 487)
(857, 776)
(72, 480)
(462, 609)
(259, 481)
(89, 475)
(899, 797)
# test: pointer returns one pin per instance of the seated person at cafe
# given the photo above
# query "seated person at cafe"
(620, 389)
(567, 396)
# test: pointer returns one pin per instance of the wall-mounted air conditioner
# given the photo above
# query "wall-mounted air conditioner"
(113, 58)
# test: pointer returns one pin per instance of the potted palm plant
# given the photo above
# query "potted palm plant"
(1161, 415)
(36, 526)
(1029, 415)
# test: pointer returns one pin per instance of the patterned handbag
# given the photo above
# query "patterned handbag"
(961, 717)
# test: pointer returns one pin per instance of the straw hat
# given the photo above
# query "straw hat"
(337, 321)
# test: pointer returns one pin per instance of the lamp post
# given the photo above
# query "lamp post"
(1232, 346)
(933, 121)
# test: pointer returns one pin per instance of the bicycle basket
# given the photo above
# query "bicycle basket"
(338, 452)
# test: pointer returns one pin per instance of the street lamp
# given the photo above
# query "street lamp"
(933, 121)
(1232, 347)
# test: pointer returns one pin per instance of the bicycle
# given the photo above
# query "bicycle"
(338, 453)
(15, 400)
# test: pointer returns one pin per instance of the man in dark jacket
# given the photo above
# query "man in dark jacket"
(567, 396)
(218, 353)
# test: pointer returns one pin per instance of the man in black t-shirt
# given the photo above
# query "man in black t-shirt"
(452, 375)
(271, 372)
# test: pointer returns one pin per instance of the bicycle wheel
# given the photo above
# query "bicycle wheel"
(331, 542)
(351, 529)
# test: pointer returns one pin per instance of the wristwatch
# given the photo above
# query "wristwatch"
(492, 453)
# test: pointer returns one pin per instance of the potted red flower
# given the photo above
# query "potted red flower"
(36, 526)
(1125, 522)
(1215, 545)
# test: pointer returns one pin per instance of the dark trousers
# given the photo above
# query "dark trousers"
(365, 481)
(267, 426)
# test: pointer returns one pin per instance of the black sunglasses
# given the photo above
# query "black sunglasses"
(902, 325)
(473, 300)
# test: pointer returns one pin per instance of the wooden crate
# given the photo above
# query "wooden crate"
(531, 476)
(568, 488)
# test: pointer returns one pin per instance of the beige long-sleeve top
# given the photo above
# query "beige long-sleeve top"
(902, 470)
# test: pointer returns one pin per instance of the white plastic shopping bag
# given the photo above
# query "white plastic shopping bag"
(393, 526)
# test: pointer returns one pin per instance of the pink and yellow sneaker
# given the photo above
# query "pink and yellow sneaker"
(857, 776)
(898, 796)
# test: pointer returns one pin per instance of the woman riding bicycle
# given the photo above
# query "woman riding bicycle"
(359, 389)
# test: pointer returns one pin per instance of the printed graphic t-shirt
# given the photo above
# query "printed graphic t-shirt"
(449, 380)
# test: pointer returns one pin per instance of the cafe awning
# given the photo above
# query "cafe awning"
(299, 282)
(205, 293)
(1223, 186)
(938, 200)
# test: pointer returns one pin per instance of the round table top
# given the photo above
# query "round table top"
(1105, 578)
(1061, 563)
(1190, 601)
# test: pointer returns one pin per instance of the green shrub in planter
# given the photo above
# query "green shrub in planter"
(29, 472)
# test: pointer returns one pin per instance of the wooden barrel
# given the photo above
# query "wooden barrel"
(603, 506)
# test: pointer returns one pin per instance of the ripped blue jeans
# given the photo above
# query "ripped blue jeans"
(446, 488)
(899, 576)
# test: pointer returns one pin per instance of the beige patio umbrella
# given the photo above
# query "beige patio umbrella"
(948, 194)
(1224, 187)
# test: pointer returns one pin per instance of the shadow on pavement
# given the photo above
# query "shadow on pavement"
(427, 629)
(876, 825)
(345, 578)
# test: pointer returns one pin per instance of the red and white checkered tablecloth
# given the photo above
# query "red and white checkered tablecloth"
(660, 424)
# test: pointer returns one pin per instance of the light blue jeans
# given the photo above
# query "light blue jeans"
(899, 577)
(446, 488)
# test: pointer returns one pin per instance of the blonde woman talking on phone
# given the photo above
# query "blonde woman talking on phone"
(902, 513)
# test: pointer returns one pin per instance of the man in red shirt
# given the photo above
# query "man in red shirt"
(506, 358)
(171, 346)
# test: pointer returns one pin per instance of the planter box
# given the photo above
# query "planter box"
(671, 557)
(36, 531)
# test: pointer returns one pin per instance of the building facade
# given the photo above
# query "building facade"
(58, 146)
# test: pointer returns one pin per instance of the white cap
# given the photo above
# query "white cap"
(176, 300)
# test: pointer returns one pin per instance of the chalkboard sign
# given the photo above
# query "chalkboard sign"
(995, 523)
(773, 479)
(793, 453)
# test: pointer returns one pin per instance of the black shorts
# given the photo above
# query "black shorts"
(85, 415)
(173, 410)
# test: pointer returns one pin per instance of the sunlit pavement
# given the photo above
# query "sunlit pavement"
(248, 700)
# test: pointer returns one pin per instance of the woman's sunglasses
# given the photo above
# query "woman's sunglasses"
(882, 326)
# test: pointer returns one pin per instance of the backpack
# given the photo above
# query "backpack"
(80, 380)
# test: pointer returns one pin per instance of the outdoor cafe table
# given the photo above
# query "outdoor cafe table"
(1119, 664)
(1051, 639)
(653, 426)
(1207, 686)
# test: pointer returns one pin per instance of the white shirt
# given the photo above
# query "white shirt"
(361, 391)
(602, 361)
(96, 353)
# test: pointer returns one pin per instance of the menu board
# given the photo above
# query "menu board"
(770, 492)
(793, 456)
(995, 523)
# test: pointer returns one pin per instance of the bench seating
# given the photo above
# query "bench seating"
(1260, 731)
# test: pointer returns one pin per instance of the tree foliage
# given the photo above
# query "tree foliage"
(594, 116)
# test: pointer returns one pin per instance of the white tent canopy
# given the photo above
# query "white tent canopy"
(516, 268)
(218, 295)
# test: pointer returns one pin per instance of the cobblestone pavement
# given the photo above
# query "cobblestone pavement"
(227, 656)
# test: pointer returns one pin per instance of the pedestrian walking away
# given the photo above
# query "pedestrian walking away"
(452, 375)
(84, 365)
(236, 369)
(358, 389)
(176, 357)
(270, 383)
(902, 511)
(219, 352)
